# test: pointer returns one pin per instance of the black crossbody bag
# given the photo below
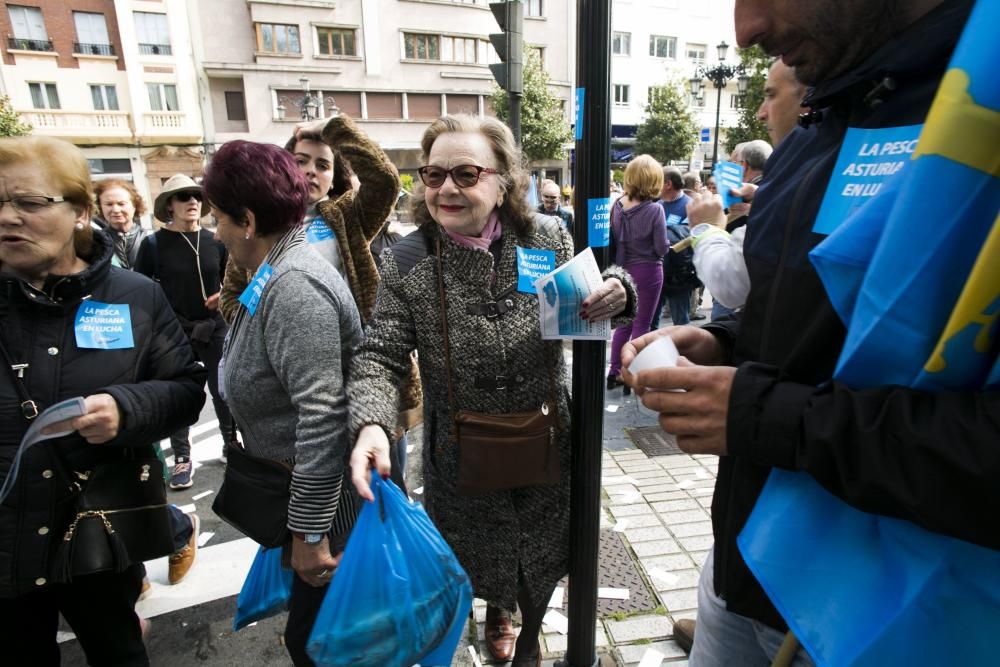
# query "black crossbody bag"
(118, 512)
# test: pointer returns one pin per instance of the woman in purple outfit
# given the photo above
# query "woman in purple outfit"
(639, 231)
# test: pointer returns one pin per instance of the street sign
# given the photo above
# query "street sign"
(706, 135)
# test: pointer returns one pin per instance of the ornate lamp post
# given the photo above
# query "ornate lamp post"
(310, 106)
(720, 75)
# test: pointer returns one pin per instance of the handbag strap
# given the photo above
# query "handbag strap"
(447, 349)
(29, 408)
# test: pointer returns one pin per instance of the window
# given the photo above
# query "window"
(117, 166)
(29, 29)
(655, 93)
(421, 47)
(162, 97)
(621, 43)
(696, 53)
(91, 30)
(105, 97)
(236, 106)
(459, 49)
(44, 96)
(697, 100)
(533, 7)
(278, 38)
(621, 95)
(152, 33)
(336, 41)
(540, 52)
(662, 47)
(735, 101)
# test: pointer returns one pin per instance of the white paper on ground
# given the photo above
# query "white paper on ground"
(701, 474)
(651, 658)
(475, 656)
(669, 578)
(419, 491)
(410, 448)
(685, 484)
(612, 408)
(187, 509)
(628, 497)
(560, 294)
(556, 621)
(620, 526)
(203, 538)
(556, 601)
(613, 593)
(203, 494)
(619, 479)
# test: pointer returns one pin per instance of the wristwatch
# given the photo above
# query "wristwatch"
(310, 538)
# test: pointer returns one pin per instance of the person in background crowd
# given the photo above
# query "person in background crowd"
(342, 222)
(286, 361)
(692, 183)
(51, 262)
(550, 204)
(120, 206)
(710, 185)
(188, 263)
(472, 218)
(759, 393)
(674, 203)
(782, 104)
(639, 232)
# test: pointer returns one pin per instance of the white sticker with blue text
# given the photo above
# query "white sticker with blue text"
(866, 160)
(251, 295)
(532, 264)
(103, 326)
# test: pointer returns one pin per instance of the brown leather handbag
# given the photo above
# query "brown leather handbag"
(500, 452)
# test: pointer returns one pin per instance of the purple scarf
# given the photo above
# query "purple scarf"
(491, 232)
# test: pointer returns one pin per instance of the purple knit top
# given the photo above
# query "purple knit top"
(640, 233)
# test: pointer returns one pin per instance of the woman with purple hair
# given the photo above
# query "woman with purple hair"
(293, 333)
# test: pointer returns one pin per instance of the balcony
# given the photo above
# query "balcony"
(168, 127)
(19, 44)
(155, 49)
(93, 49)
(79, 126)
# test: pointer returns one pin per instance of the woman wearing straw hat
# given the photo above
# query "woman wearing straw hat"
(189, 264)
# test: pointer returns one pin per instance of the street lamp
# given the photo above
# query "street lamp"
(310, 106)
(720, 75)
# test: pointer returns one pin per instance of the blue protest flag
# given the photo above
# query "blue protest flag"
(917, 283)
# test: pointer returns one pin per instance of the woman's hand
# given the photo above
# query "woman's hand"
(98, 424)
(605, 302)
(706, 208)
(212, 302)
(313, 562)
(311, 127)
(370, 451)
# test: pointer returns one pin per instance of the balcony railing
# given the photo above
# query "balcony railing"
(57, 122)
(165, 120)
(155, 49)
(94, 49)
(29, 44)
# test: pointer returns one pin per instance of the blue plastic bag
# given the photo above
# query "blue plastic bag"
(399, 596)
(265, 591)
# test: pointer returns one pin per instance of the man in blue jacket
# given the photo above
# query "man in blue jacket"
(759, 394)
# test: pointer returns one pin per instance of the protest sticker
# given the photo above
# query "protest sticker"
(867, 158)
(599, 222)
(103, 326)
(728, 176)
(533, 264)
(318, 231)
(251, 295)
(581, 93)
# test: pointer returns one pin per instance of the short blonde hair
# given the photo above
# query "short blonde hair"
(65, 167)
(643, 178)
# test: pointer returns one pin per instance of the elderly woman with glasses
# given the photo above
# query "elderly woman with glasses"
(138, 379)
(455, 291)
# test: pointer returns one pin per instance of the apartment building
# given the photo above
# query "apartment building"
(115, 77)
(393, 65)
(655, 41)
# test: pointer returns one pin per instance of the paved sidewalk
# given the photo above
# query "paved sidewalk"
(661, 506)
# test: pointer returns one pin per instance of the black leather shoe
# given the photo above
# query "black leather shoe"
(533, 660)
(615, 381)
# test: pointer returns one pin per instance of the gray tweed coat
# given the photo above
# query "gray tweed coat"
(498, 535)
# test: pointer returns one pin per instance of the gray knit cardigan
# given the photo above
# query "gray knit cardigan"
(498, 535)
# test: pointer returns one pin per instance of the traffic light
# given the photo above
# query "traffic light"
(509, 72)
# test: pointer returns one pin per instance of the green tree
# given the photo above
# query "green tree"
(11, 124)
(670, 130)
(544, 130)
(756, 62)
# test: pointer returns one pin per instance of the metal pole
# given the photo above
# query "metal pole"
(515, 116)
(718, 107)
(592, 164)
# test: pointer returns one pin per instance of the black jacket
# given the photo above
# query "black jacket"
(156, 383)
(931, 459)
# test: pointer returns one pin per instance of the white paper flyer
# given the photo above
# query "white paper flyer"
(560, 294)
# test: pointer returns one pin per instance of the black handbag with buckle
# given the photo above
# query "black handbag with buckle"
(118, 512)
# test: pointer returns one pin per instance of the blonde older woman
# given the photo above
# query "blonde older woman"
(138, 387)
(450, 290)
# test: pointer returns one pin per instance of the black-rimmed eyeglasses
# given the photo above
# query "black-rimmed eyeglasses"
(463, 176)
(31, 203)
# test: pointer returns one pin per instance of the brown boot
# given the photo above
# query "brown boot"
(684, 634)
(499, 633)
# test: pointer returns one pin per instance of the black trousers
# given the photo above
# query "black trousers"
(101, 610)
(210, 354)
(303, 606)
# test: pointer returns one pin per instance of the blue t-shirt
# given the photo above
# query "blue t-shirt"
(676, 210)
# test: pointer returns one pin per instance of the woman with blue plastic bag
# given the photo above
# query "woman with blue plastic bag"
(286, 360)
(458, 290)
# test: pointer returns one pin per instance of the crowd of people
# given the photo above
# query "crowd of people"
(322, 342)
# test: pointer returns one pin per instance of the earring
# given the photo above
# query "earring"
(79, 226)
(247, 236)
